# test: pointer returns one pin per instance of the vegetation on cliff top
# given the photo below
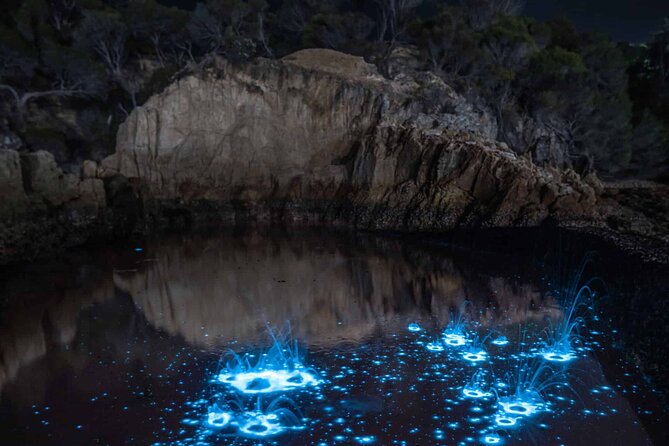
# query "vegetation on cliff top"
(603, 105)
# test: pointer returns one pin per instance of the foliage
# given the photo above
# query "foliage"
(606, 103)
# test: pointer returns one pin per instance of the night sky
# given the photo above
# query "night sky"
(626, 20)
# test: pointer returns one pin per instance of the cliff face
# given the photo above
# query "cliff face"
(341, 142)
(42, 207)
(316, 138)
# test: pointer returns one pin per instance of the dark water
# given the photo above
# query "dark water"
(122, 344)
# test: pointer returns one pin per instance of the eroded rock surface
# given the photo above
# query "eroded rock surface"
(315, 138)
(42, 207)
(344, 143)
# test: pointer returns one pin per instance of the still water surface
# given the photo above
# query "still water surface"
(334, 339)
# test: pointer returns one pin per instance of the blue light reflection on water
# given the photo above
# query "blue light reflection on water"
(488, 407)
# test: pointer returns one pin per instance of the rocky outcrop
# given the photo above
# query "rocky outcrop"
(340, 144)
(14, 199)
(43, 207)
(316, 138)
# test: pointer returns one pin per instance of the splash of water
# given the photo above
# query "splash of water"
(500, 341)
(475, 389)
(218, 418)
(280, 369)
(562, 336)
(435, 346)
(268, 381)
(414, 327)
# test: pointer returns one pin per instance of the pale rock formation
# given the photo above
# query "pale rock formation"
(322, 130)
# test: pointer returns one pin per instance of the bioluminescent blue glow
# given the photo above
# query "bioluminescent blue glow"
(280, 369)
(475, 355)
(500, 341)
(475, 393)
(562, 336)
(492, 439)
(454, 334)
(218, 418)
(519, 406)
(435, 346)
(454, 339)
(258, 424)
(476, 387)
(268, 381)
(557, 356)
(505, 420)
(482, 394)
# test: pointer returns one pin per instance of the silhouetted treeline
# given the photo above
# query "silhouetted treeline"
(559, 95)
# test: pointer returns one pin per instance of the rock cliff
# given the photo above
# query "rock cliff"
(315, 138)
(320, 134)
(41, 207)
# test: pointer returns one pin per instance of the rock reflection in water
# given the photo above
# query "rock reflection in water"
(42, 311)
(117, 347)
(214, 290)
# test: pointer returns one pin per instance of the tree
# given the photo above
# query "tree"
(106, 34)
(63, 17)
(484, 13)
(392, 19)
(231, 27)
(150, 21)
(69, 72)
(451, 48)
(340, 31)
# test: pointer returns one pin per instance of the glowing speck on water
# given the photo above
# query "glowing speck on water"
(501, 341)
(475, 356)
(557, 356)
(217, 418)
(475, 393)
(519, 407)
(492, 439)
(435, 347)
(454, 339)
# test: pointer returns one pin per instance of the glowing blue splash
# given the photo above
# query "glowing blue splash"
(475, 388)
(435, 346)
(475, 393)
(519, 406)
(559, 345)
(258, 425)
(492, 439)
(278, 417)
(268, 381)
(367, 439)
(500, 341)
(218, 418)
(556, 356)
(454, 339)
(505, 420)
(476, 355)
(280, 369)
(414, 327)
(454, 333)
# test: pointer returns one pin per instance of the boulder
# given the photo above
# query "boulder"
(45, 182)
(13, 199)
(319, 127)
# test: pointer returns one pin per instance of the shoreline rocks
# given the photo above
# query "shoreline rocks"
(318, 138)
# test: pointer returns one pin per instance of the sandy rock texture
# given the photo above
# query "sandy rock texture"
(322, 130)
